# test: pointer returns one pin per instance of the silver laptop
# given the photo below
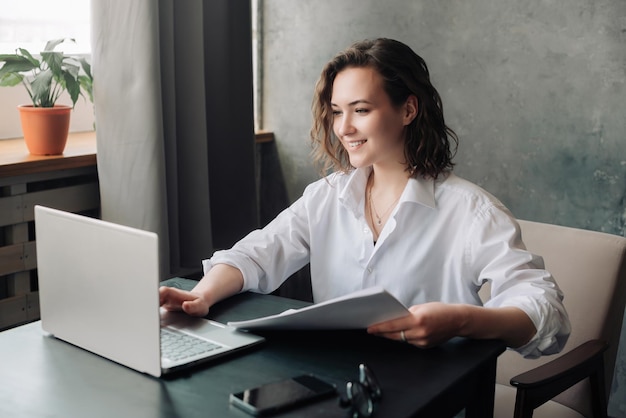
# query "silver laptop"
(98, 290)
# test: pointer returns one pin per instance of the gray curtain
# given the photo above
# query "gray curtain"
(174, 122)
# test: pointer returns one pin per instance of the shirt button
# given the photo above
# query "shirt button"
(370, 270)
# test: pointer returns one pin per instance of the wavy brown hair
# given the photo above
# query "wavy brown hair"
(429, 144)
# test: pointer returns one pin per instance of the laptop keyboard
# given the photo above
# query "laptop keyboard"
(178, 345)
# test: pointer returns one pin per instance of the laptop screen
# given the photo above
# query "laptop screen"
(98, 287)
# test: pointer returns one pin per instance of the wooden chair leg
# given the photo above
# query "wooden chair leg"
(598, 394)
(523, 407)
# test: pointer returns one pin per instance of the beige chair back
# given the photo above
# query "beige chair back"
(590, 268)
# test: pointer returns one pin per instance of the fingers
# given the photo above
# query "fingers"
(173, 299)
(396, 329)
(390, 327)
(403, 335)
(196, 307)
(428, 325)
(408, 336)
(405, 329)
(167, 298)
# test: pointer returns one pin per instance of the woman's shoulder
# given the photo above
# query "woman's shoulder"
(462, 199)
(333, 182)
(454, 186)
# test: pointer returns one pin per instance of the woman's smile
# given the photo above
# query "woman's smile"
(355, 144)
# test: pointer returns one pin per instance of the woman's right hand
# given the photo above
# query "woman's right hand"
(173, 299)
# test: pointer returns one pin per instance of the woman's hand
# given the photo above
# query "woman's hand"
(220, 282)
(428, 325)
(434, 323)
(192, 303)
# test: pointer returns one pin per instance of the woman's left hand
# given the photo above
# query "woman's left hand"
(428, 325)
(434, 323)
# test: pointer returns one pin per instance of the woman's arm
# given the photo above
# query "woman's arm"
(433, 323)
(219, 283)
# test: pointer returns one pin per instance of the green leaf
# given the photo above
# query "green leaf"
(71, 68)
(29, 57)
(50, 45)
(85, 66)
(11, 79)
(73, 87)
(15, 64)
(86, 83)
(42, 89)
(54, 60)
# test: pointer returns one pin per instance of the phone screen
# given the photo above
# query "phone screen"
(278, 396)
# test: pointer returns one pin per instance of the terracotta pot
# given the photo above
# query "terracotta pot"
(45, 128)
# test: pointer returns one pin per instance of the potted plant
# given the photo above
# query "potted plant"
(45, 123)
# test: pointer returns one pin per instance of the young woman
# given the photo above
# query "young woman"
(392, 213)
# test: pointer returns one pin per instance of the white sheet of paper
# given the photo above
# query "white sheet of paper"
(356, 310)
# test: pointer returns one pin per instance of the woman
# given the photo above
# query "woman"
(393, 214)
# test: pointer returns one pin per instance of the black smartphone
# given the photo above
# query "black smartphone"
(285, 394)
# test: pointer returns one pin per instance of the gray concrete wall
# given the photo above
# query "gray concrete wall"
(534, 89)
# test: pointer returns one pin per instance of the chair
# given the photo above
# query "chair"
(590, 268)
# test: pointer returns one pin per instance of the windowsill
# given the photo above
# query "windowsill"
(262, 137)
(15, 160)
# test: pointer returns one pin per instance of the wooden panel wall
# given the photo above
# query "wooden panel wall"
(69, 183)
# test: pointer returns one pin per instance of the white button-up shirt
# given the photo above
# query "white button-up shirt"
(443, 240)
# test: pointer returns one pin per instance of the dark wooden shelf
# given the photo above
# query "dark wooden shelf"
(15, 160)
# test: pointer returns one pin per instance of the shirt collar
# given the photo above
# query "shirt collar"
(421, 191)
(418, 190)
(352, 195)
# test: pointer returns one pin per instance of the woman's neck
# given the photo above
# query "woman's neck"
(382, 193)
(386, 183)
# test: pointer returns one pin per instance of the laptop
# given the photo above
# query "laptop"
(98, 290)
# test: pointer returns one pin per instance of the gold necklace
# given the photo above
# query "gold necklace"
(379, 218)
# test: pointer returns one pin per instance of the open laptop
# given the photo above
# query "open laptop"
(98, 290)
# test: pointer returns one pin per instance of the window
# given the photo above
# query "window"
(30, 24)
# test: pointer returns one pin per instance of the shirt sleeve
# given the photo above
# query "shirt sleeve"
(268, 256)
(518, 278)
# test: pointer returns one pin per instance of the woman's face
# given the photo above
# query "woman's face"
(370, 128)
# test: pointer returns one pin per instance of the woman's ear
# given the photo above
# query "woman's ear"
(410, 109)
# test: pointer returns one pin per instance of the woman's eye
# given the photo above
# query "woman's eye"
(362, 110)
(336, 112)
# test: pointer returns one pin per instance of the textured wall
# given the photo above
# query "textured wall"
(535, 90)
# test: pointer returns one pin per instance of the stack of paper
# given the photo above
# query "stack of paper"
(356, 310)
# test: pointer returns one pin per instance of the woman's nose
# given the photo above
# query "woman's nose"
(345, 126)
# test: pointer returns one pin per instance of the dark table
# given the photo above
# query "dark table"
(44, 377)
